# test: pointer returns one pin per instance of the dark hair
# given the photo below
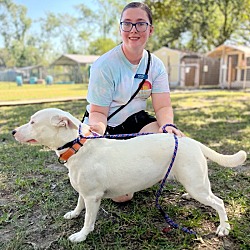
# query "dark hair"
(142, 6)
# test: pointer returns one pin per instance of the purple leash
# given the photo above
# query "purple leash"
(159, 192)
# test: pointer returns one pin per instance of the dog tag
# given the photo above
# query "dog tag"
(141, 76)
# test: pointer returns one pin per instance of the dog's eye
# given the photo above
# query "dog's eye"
(32, 122)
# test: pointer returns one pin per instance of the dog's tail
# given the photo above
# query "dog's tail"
(224, 160)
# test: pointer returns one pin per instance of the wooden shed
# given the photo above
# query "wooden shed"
(199, 70)
(234, 65)
(72, 68)
(189, 69)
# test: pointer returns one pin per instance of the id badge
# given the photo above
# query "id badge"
(141, 76)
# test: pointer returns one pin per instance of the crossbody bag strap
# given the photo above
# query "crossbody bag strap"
(136, 92)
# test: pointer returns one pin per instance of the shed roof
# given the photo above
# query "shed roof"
(31, 67)
(227, 48)
(73, 59)
(164, 48)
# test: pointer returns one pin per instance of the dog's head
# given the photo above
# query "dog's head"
(50, 127)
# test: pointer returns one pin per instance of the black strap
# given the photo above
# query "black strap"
(136, 92)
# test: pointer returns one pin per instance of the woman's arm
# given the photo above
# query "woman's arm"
(98, 118)
(164, 112)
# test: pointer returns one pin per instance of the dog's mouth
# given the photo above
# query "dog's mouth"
(32, 141)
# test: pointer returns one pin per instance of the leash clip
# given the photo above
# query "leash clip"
(61, 161)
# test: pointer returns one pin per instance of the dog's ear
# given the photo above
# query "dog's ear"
(63, 121)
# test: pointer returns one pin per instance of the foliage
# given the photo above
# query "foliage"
(200, 25)
(106, 20)
(14, 25)
(101, 45)
(58, 33)
(63, 27)
(36, 193)
(197, 25)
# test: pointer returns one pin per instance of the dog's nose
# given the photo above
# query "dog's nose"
(13, 132)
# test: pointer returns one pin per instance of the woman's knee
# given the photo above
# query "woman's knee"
(152, 127)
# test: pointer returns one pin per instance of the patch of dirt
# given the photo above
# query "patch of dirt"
(243, 169)
(57, 167)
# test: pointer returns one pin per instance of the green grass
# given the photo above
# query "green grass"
(9, 91)
(36, 193)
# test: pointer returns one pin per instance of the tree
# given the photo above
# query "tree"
(14, 25)
(60, 32)
(100, 46)
(19, 48)
(104, 22)
(198, 25)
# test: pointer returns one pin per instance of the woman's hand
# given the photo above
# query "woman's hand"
(98, 128)
(171, 130)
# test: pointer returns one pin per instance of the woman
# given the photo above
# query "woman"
(116, 75)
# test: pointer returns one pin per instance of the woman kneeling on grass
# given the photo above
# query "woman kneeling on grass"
(115, 77)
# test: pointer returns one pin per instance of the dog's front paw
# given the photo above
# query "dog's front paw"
(186, 196)
(77, 237)
(71, 215)
(223, 230)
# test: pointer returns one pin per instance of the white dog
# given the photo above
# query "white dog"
(105, 168)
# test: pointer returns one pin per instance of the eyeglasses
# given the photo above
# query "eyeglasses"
(140, 26)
